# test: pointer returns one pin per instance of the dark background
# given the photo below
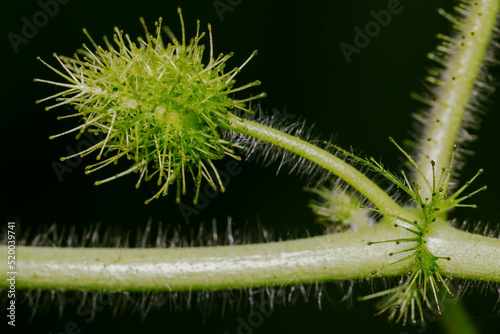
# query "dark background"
(302, 69)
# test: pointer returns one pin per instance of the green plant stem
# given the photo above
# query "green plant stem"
(330, 162)
(341, 256)
(472, 256)
(455, 320)
(336, 256)
(455, 89)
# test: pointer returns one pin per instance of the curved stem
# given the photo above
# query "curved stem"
(456, 88)
(337, 166)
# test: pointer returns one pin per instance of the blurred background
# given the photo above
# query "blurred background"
(305, 73)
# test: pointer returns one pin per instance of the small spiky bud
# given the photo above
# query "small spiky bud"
(157, 105)
(339, 209)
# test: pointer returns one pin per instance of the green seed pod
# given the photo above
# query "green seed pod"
(157, 105)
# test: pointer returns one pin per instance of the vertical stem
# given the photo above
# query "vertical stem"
(456, 87)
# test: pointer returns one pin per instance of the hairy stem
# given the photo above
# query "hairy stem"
(340, 256)
(472, 256)
(456, 320)
(456, 88)
(329, 257)
(337, 166)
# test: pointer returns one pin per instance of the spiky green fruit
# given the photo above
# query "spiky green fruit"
(158, 105)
